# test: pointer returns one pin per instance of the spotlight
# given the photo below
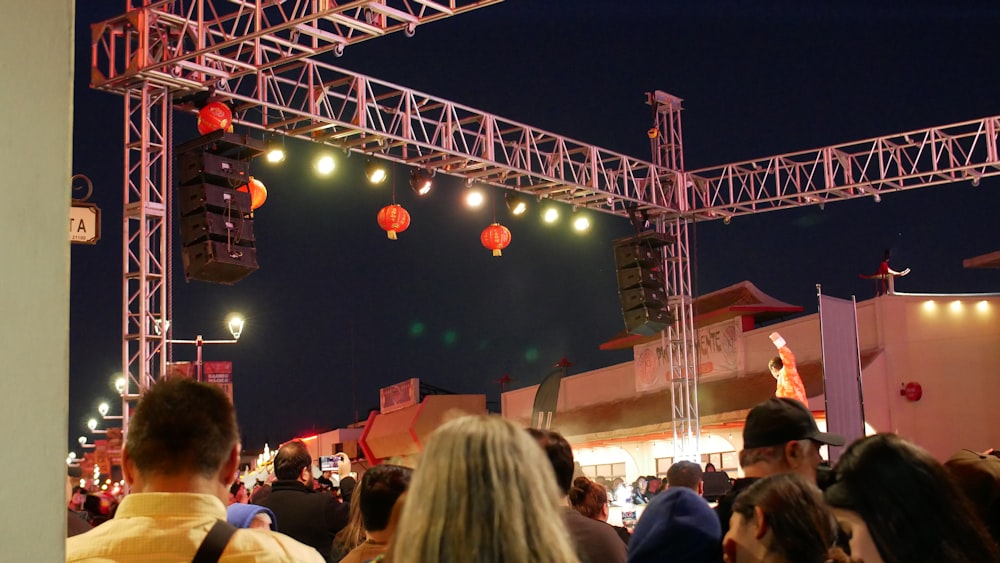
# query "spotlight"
(877, 198)
(420, 180)
(325, 165)
(375, 171)
(551, 215)
(581, 224)
(473, 198)
(275, 151)
(517, 204)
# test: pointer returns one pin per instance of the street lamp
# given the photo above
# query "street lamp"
(235, 325)
(103, 408)
(92, 425)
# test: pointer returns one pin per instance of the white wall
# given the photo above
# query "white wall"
(36, 98)
(952, 349)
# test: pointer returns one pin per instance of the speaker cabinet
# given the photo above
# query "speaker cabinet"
(647, 321)
(198, 227)
(197, 198)
(217, 262)
(199, 166)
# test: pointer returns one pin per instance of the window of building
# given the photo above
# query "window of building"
(723, 461)
(662, 465)
(605, 470)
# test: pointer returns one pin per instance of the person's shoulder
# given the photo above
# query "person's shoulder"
(268, 546)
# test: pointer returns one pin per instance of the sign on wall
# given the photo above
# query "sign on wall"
(399, 396)
(720, 353)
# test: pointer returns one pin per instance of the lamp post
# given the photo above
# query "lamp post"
(235, 325)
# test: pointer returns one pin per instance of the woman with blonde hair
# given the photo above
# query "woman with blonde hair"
(484, 492)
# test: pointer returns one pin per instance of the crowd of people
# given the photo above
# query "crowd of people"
(487, 490)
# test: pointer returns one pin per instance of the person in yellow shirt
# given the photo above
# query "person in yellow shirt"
(784, 371)
(181, 453)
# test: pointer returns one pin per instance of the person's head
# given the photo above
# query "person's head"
(483, 491)
(780, 435)
(654, 484)
(978, 475)
(382, 486)
(781, 518)
(184, 432)
(560, 456)
(710, 467)
(293, 462)
(685, 474)
(346, 488)
(617, 482)
(237, 492)
(589, 498)
(640, 484)
(928, 517)
(775, 366)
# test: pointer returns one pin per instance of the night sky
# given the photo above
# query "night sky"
(337, 311)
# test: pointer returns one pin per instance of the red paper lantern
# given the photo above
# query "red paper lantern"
(394, 219)
(215, 116)
(496, 237)
(258, 192)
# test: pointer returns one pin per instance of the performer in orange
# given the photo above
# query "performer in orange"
(784, 371)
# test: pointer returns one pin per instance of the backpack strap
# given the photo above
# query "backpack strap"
(215, 542)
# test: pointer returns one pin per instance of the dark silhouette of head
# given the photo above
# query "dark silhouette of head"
(928, 519)
(560, 454)
(291, 458)
(684, 474)
(381, 487)
(182, 426)
(793, 509)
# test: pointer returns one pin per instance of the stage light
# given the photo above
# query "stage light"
(474, 198)
(551, 215)
(581, 224)
(375, 171)
(516, 204)
(421, 180)
(325, 165)
(275, 151)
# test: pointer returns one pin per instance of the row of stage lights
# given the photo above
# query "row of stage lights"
(422, 181)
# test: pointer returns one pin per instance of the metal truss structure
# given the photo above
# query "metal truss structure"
(269, 60)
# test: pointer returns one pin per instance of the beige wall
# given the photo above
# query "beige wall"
(952, 349)
(36, 99)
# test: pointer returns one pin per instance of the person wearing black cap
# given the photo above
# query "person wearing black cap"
(780, 436)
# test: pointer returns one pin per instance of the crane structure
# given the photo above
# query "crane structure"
(269, 60)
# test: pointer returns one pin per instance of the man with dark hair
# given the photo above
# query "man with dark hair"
(379, 502)
(596, 542)
(780, 436)
(685, 474)
(180, 456)
(310, 516)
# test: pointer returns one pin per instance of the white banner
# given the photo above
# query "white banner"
(720, 353)
(841, 370)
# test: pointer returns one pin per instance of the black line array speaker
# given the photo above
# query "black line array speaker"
(216, 223)
(641, 282)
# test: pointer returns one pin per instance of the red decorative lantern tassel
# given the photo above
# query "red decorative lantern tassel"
(393, 219)
(496, 237)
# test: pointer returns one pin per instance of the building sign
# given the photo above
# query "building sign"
(399, 396)
(84, 223)
(219, 374)
(720, 353)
